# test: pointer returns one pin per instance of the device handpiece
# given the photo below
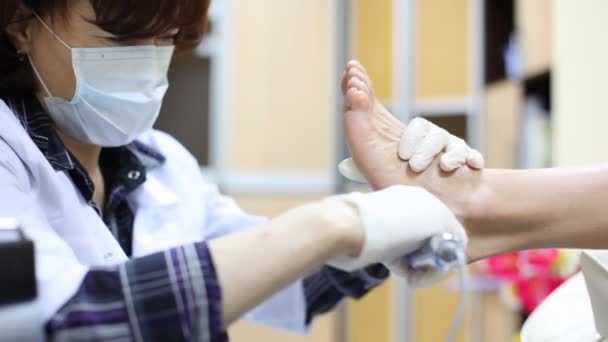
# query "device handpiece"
(440, 251)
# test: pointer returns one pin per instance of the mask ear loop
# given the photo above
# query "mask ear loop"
(48, 28)
(39, 77)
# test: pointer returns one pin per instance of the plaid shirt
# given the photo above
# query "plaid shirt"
(172, 295)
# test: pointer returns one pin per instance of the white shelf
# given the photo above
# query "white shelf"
(271, 182)
(432, 107)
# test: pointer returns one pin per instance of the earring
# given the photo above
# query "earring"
(21, 56)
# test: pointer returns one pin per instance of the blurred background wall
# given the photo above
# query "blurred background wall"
(259, 104)
(581, 52)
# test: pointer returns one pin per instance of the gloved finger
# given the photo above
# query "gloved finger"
(435, 141)
(415, 132)
(455, 155)
(350, 171)
(475, 159)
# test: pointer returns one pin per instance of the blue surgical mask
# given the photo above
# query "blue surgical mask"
(119, 92)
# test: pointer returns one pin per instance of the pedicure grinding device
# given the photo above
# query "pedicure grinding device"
(444, 252)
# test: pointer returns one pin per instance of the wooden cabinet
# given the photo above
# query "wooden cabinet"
(372, 42)
(442, 48)
(278, 121)
(534, 23)
(282, 82)
(502, 106)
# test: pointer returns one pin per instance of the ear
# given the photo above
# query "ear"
(20, 31)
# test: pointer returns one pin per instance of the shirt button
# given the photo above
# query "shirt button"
(134, 175)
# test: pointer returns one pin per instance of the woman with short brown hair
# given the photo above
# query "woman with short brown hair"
(131, 243)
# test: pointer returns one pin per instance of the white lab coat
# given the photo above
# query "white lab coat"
(174, 207)
(578, 309)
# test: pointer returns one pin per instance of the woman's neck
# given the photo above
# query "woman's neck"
(87, 154)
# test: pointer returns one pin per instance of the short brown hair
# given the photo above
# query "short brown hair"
(128, 19)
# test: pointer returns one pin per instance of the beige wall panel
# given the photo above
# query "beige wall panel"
(534, 22)
(271, 205)
(441, 48)
(370, 318)
(372, 35)
(579, 84)
(500, 322)
(502, 107)
(323, 328)
(282, 85)
(433, 312)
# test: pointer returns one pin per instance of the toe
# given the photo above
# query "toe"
(351, 70)
(352, 64)
(358, 97)
(356, 64)
(343, 82)
(357, 83)
(354, 72)
(363, 69)
(359, 71)
(359, 67)
(358, 100)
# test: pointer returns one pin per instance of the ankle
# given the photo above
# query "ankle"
(467, 195)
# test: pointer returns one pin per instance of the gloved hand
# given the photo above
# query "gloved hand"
(397, 221)
(420, 144)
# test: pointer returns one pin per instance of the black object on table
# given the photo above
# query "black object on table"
(17, 268)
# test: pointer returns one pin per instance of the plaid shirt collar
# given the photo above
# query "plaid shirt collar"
(40, 127)
(119, 165)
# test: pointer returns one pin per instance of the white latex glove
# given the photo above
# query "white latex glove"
(420, 144)
(397, 221)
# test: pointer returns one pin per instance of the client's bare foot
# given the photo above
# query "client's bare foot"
(373, 135)
(372, 132)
